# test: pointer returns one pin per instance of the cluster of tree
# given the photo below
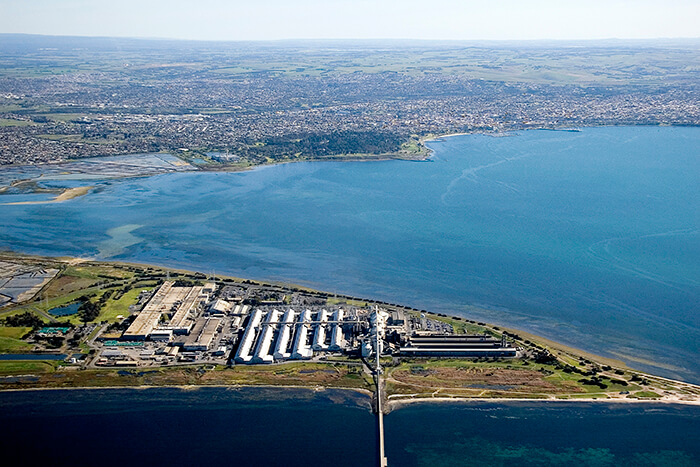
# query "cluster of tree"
(594, 381)
(118, 293)
(184, 283)
(25, 319)
(331, 144)
(513, 335)
(545, 358)
(88, 311)
(105, 296)
(639, 379)
(572, 369)
(75, 340)
(123, 325)
(54, 342)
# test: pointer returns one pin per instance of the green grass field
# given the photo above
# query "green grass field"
(561, 381)
(644, 395)
(10, 339)
(14, 332)
(98, 272)
(12, 122)
(10, 108)
(10, 345)
(114, 308)
(63, 117)
(21, 367)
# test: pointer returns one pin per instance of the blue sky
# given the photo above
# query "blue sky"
(361, 19)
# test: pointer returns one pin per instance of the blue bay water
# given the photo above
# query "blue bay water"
(173, 427)
(590, 238)
(543, 434)
(288, 427)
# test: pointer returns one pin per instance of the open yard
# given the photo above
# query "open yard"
(511, 378)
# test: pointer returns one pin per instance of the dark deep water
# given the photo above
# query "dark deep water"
(173, 427)
(288, 427)
(590, 238)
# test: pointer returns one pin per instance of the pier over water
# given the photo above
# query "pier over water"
(382, 460)
(378, 328)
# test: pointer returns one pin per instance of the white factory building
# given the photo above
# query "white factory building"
(275, 335)
(170, 311)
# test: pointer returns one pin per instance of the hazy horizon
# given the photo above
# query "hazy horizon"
(379, 41)
(273, 20)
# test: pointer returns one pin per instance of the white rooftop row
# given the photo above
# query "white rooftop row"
(290, 335)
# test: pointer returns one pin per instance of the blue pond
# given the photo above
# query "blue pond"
(66, 310)
(32, 356)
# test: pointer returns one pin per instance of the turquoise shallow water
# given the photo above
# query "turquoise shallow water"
(589, 238)
(542, 434)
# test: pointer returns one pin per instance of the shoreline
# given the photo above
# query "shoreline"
(399, 404)
(392, 403)
(76, 192)
(658, 390)
(358, 157)
(555, 347)
(195, 387)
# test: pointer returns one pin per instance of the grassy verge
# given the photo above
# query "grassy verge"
(21, 367)
(644, 395)
(120, 307)
(499, 378)
(10, 339)
(294, 374)
(10, 345)
(14, 332)
(345, 301)
(563, 351)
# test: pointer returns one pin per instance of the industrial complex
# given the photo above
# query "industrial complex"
(185, 323)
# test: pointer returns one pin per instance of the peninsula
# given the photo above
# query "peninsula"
(69, 322)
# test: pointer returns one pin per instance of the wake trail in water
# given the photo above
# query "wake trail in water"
(607, 257)
(619, 305)
(471, 174)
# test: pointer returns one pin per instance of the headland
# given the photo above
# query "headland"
(147, 326)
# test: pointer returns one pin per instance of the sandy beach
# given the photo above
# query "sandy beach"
(66, 195)
(399, 403)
